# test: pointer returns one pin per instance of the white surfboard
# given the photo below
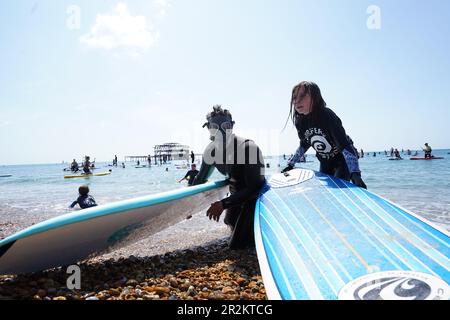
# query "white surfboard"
(71, 237)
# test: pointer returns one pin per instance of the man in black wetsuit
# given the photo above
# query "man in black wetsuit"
(190, 175)
(242, 162)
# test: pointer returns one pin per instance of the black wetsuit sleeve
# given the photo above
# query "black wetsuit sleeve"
(343, 142)
(254, 180)
(337, 131)
(74, 204)
(187, 174)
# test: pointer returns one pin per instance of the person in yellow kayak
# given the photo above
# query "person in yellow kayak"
(427, 151)
(74, 166)
(87, 165)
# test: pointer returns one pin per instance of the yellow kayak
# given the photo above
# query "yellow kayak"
(88, 175)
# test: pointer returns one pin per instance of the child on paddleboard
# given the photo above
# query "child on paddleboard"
(319, 127)
(84, 199)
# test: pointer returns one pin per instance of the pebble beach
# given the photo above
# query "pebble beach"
(160, 267)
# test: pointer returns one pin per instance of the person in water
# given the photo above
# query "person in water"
(74, 166)
(242, 162)
(397, 154)
(319, 127)
(427, 151)
(84, 199)
(192, 156)
(190, 175)
(87, 165)
(149, 160)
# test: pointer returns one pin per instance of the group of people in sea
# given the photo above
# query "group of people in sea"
(242, 162)
(395, 153)
(86, 165)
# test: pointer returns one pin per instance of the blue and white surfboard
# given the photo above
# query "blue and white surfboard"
(71, 237)
(319, 237)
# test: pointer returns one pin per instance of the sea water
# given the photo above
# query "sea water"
(35, 193)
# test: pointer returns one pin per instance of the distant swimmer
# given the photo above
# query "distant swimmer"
(190, 175)
(374, 154)
(149, 160)
(138, 163)
(74, 166)
(84, 199)
(192, 156)
(320, 128)
(123, 165)
(427, 151)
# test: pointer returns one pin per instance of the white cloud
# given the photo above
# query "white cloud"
(119, 29)
(162, 6)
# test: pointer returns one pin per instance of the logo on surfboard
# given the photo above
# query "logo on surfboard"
(290, 178)
(396, 285)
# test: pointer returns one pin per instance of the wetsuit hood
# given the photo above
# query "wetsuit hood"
(219, 125)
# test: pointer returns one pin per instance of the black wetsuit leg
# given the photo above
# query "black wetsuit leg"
(337, 168)
(242, 235)
(231, 217)
(326, 167)
(341, 171)
(240, 220)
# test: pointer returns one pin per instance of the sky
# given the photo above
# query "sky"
(105, 78)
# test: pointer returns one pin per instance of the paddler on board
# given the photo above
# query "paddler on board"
(87, 165)
(427, 151)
